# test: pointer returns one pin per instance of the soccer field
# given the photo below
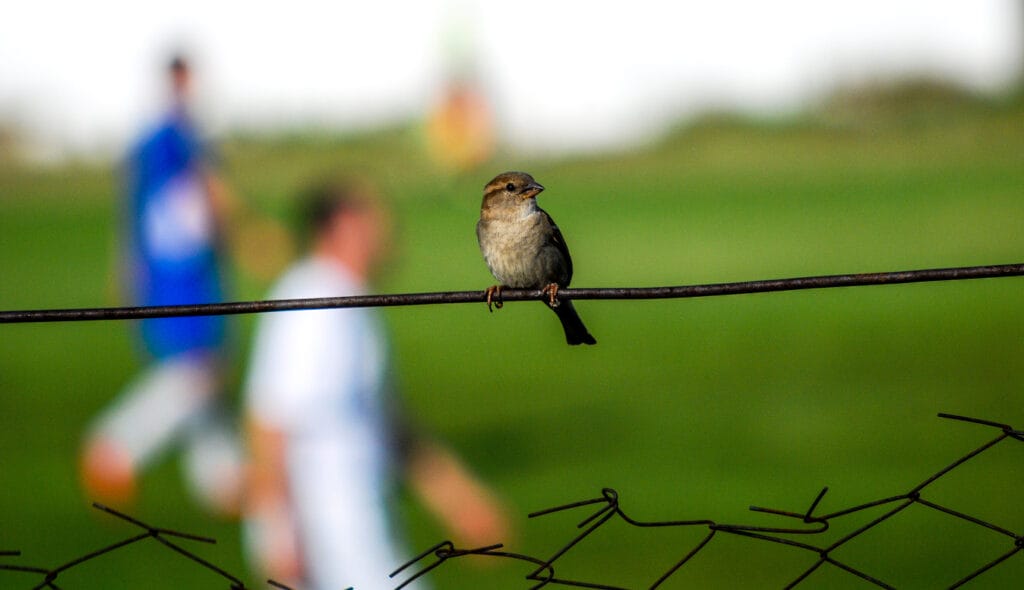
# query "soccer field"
(690, 409)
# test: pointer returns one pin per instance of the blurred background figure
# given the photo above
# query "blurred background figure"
(326, 431)
(460, 129)
(173, 215)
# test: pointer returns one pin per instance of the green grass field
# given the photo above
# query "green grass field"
(691, 409)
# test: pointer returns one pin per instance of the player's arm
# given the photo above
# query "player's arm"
(465, 506)
(268, 509)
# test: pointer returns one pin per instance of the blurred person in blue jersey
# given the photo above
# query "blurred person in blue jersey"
(173, 218)
(327, 434)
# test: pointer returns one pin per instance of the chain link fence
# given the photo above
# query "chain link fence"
(799, 536)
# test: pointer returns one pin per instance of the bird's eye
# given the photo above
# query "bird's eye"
(510, 187)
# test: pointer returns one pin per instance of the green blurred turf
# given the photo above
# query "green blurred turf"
(690, 408)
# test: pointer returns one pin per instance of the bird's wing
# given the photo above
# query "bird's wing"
(559, 243)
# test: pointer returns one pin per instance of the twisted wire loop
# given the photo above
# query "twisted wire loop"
(608, 507)
(446, 550)
(480, 296)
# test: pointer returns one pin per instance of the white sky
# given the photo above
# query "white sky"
(564, 75)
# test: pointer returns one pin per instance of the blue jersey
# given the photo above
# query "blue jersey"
(173, 238)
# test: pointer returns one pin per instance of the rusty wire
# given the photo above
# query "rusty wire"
(608, 508)
(479, 296)
(810, 524)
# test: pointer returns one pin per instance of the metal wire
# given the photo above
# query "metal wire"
(608, 508)
(479, 296)
(544, 572)
(811, 524)
(161, 535)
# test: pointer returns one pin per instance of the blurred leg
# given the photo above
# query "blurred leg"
(151, 412)
(212, 461)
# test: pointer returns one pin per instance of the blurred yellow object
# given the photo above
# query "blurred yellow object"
(460, 131)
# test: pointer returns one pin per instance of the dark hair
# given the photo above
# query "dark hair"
(177, 65)
(322, 202)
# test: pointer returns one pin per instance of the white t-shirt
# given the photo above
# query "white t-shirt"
(318, 376)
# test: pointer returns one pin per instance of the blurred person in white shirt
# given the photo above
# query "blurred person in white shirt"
(325, 431)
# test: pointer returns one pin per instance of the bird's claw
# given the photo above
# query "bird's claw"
(494, 298)
(552, 292)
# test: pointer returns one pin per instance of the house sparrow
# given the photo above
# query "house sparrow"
(524, 249)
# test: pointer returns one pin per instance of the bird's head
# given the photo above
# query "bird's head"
(510, 189)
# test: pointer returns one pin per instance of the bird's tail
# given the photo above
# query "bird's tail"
(575, 331)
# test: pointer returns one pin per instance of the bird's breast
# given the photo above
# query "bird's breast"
(512, 247)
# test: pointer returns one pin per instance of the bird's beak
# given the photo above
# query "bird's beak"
(532, 190)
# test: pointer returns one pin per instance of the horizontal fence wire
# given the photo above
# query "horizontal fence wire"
(607, 507)
(608, 504)
(479, 296)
